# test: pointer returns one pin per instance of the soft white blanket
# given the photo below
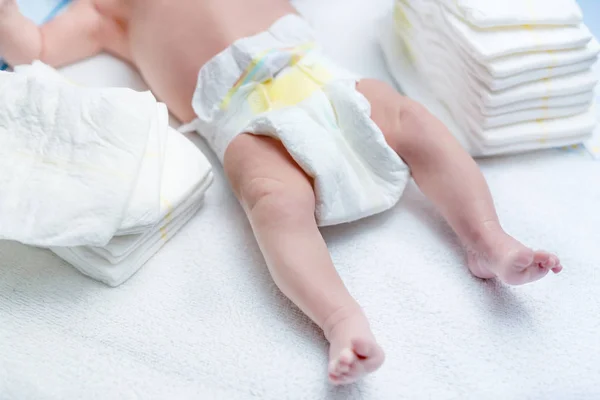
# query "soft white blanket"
(203, 320)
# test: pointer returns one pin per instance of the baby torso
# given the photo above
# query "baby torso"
(169, 41)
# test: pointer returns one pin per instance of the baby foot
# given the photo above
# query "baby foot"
(352, 363)
(501, 256)
(354, 351)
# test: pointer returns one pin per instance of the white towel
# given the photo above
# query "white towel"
(204, 320)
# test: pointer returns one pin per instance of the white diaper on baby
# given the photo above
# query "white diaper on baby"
(69, 158)
(279, 84)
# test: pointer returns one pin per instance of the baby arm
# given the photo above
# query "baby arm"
(70, 37)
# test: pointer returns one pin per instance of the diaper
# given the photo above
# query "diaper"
(489, 13)
(486, 44)
(497, 73)
(498, 81)
(69, 158)
(511, 103)
(144, 207)
(279, 84)
(511, 65)
(95, 175)
(451, 70)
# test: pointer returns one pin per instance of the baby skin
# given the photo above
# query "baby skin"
(168, 42)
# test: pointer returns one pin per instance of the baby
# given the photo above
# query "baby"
(249, 77)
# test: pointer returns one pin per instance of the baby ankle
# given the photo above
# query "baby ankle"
(340, 317)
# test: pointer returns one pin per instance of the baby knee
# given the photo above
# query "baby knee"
(415, 129)
(274, 200)
(401, 119)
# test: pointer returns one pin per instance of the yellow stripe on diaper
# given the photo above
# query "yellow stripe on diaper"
(167, 219)
(288, 89)
(168, 206)
(401, 21)
(548, 86)
(295, 53)
(401, 25)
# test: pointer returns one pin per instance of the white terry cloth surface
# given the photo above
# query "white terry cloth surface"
(87, 142)
(203, 319)
(311, 105)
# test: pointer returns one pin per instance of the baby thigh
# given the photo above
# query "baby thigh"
(279, 200)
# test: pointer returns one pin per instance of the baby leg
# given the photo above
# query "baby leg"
(450, 178)
(279, 201)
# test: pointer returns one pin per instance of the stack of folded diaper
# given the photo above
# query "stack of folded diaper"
(505, 76)
(96, 175)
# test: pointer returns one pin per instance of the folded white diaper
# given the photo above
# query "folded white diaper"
(97, 267)
(511, 70)
(125, 255)
(533, 114)
(489, 13)
(439, 57)
(540, 130)
(185, 176)
(423, 20)
(144, 204)
(513, 65)
(69, 158)
(485, 44)
(278, 83)
(576, 99)
(165, 188)
(464, 93)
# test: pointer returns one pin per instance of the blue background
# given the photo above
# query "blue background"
(591, 15)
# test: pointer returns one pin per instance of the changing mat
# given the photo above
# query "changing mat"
(203, 319)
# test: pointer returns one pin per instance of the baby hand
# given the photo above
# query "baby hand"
(8, 7)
